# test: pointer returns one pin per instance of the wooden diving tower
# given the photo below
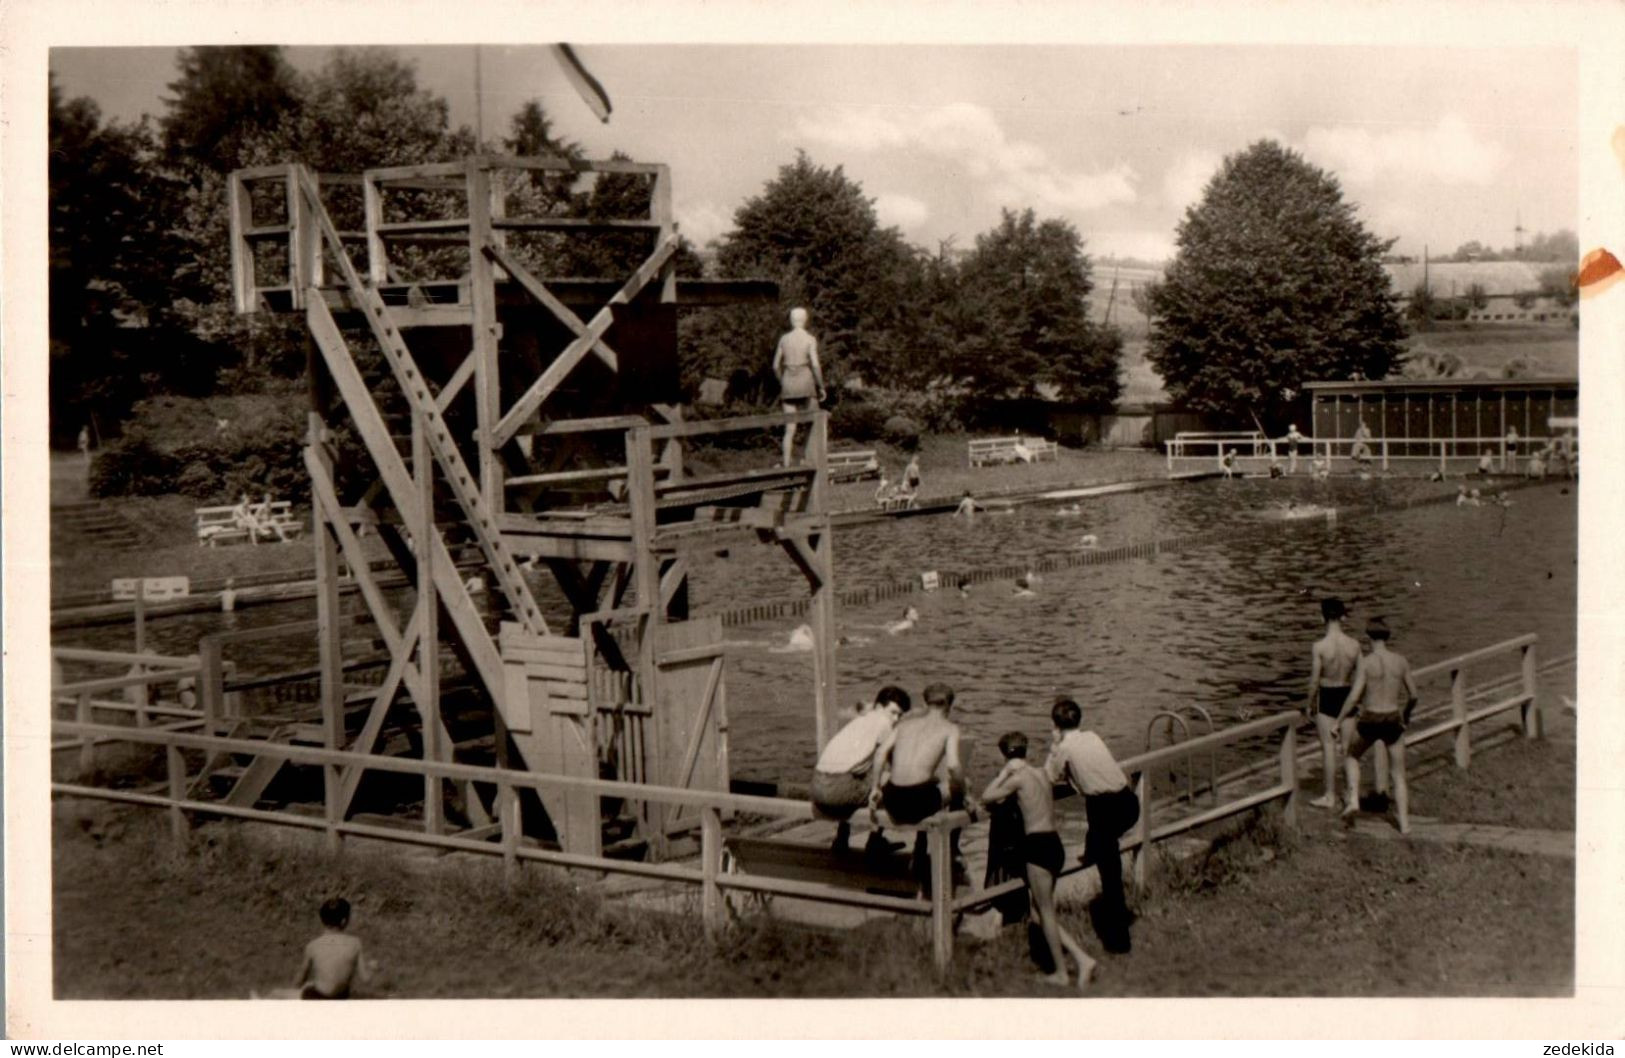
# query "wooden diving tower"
(492, 418)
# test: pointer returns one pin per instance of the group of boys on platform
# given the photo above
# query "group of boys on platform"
(908, 764)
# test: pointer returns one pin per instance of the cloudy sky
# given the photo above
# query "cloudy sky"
(1436, 146)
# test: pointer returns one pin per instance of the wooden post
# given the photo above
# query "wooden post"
(1289, 777)
(942, 896)
(87, 747)
(243, 280)
(140, 615)
(211, 682)
(486, 331)
(640, 496)
(509, 822)
(1441, 459)
(377, 250)
(1142, 829)
(1534, 718)
(1385, 452)
(329, 645)
(427, 691)
(1458, 709)
(175, 768)
(711, 909)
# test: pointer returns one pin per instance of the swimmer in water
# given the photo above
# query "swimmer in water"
(1069, 510)
(1088, 540)
(910, 618)
(801, 639)
(1024, 586)
(967, 505)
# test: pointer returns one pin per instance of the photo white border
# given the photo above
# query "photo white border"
(28, 28)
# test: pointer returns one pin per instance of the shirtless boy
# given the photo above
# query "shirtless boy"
(1385, 692)
(333, 960)
(919, 773)
(1333, 661)
(1041, 849)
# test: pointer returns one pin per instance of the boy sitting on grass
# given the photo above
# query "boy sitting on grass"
(333, 961)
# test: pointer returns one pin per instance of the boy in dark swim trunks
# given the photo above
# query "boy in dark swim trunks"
(1041, 849)
(1385, 692)
(1332, 663)
(918, 770)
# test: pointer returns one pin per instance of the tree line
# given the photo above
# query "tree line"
(140, 261)
(1276, 280)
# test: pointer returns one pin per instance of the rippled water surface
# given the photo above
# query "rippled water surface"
(1224, 625)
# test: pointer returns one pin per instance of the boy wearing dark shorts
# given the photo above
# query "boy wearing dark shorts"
(1385, 692)
(1332, 663)
(1041, 849)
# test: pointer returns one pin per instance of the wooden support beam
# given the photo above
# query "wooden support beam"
(373, 210)
(392, 471)
(454, 385)
(482, 508)
(399, 664)
(560, 164)
(573, 224)
(543, 387)
(538, 290)
(396, 174)
(805, 557)
(426, 686)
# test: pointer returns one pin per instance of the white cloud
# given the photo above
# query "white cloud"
(1010, 172)
(1450, 152)
(904, 211)
(701, 221)
(1185, 180)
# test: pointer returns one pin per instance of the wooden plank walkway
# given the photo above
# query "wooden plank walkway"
(1526, 841)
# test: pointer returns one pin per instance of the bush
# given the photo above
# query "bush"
(853, 420)
(903, 432)
(132, 466)
(177, 445)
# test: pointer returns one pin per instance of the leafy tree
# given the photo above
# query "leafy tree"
(813, 231)
(1024, 289)
(1477, 297)
(1276, 283)
(224, 99)
(112, 330)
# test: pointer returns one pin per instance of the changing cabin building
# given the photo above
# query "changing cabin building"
(1443, 424)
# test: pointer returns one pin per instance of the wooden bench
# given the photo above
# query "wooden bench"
(1018, 449)
(220, 525)
(853, 466)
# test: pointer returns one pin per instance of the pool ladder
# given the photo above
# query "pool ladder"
(1168, 718)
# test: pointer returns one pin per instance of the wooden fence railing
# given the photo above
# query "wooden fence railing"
(711, 806)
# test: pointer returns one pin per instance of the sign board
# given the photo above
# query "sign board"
(930, 581)
(153, 589)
